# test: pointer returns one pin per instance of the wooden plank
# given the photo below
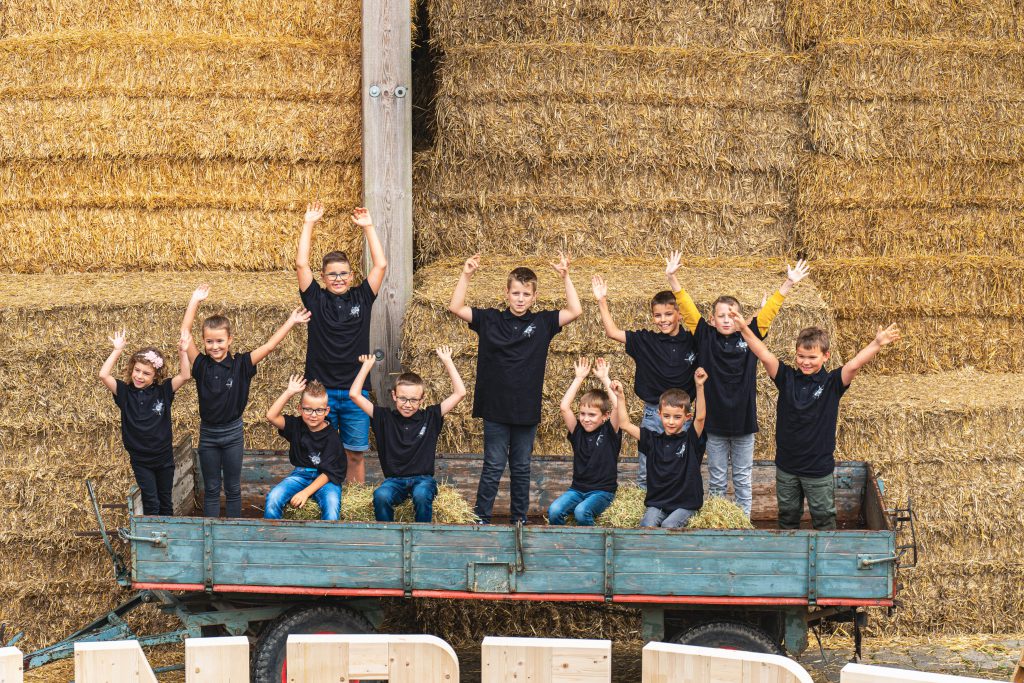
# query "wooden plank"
(11, 669)
(387, 171)
(398, 659)
(545, 660)
(183, 489)
(863, 673)
(217, 660)
(671, 663)
(120, 661)
(1018, 671)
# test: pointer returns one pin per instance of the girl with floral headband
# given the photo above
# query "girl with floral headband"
(145, 403)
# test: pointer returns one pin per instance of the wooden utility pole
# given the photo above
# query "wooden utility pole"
(387, 171)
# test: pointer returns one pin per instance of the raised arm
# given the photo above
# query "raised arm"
(314, 212)
(582, 369)
(699, 378)
(298, 317)
(623, 411)
(444, 352)
(611, 330)
(184, 365)
(189, 319)
(688, 309)
(296, 383)
(355, 392)
(573, 308)
(458, 303)
(771, 307)
(375, 277)
(884, 337)
(767, 358)
(601, 370)
(118, 340)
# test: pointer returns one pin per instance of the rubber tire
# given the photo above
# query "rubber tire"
(731, 635)
(271, 647)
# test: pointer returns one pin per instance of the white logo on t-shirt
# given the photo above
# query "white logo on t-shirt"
(692, 357)
(355, 310)
(530, 329)
(682, 451)
(158, 407)
(314, 457)
(818, 391)
(742, 344)
(230, 383)
(423, 431)
(599, 439)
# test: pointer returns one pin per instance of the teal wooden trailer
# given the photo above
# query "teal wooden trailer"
(755, 589)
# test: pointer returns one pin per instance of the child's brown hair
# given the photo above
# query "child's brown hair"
(314, 390)
(151, 356)
(597, 398)
(729, 301)
(675, 398)
(664, 298)
(335, 257)
(813, 337)
(408, 379)
(217, 322)
(523, 276)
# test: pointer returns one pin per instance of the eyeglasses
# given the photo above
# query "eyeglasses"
(337, 276)
(314, 411)
(405, 401)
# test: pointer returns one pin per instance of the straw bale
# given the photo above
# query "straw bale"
(922, 285)
(738, 25)
(586, 73)
(631, 284)
(809, 22)
(935, 343)
(327, 20)
(961, 597)
(919, 130)
(719, 513)
(96, 63)
(595, 209)
(176, 127)
(450, 507)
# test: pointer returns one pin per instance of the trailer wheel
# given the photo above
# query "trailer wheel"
(730, 635)
(269, 657)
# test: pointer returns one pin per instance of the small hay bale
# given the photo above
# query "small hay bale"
(311, 510)
(719, 513)
(627, 508)
(449, 506)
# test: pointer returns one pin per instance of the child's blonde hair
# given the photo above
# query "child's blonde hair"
(151, 356)
(314, 390)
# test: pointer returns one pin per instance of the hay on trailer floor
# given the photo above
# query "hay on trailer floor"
(449, 505)
(809, 22)
(744, 25)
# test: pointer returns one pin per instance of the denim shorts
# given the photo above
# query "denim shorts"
(349, 419)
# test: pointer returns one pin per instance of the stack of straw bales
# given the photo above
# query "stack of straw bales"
(631, 282)
(141, 145)
(609, 129)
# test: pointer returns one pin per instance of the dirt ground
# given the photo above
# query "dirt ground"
(984, 656)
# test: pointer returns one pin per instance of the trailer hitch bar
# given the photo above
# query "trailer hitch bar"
(157, 538)
(866, 561)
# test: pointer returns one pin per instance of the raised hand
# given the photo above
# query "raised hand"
(300, 315)
(471, 265)
(798, 272)
(367, 359)
(700, 376)
(582, 367)
(296, 384)
(738, 319)
(202, 291)
(616, 387)
(562, 265)
(118, 340)
(672, 262)
(361, 217)
(887, 335)
(314, 212)
(444, 352)
(599, 287)
(601, 368)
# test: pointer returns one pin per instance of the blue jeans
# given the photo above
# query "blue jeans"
(328, 497)
(654, 517)
(741, 450)
(220, 451)
(396, 490)
(585, 507)
(511, 445)
(349, 419)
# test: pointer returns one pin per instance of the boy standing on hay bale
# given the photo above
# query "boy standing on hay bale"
(510, 376)
(808, 410)
(339, 330)
(314, 450)
(222, 384)
(596, 441)
(664, 359)
(407, 438)
(145, 403)
(675, 489)
(732, 379)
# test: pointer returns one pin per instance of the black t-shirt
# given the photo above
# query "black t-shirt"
(146, 422)
(673, 469)
(223, 387)
(731, 389)
(808, 409)
(595, 458)
(320, 450)
(406, 446)
(339, 332)
(662, 362)
(510, 363)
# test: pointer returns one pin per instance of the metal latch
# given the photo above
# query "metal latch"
(869, 561)
(157, 538)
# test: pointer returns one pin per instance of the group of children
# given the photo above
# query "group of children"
(696, 378)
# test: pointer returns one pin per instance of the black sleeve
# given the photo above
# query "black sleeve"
(551, 317)
(837, 377)
(479, 316)
(290, 424)
(310, 295)
(782, 375)
(698, 443)
(248, 367)
(167, 392)
(333, 467)
(367, 293)
(644, 442)
(435, 413)
(120, 394)
(632, 341)
(199, 366)
(757, 330)
(377, 420)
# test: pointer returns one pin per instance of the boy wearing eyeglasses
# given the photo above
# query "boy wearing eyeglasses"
(314, 450)
(339, 330)
(407, 438)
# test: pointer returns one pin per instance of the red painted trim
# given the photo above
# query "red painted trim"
(276, 590)
(532, 597)
(707, 600)
(851, 602)
(168, 586)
